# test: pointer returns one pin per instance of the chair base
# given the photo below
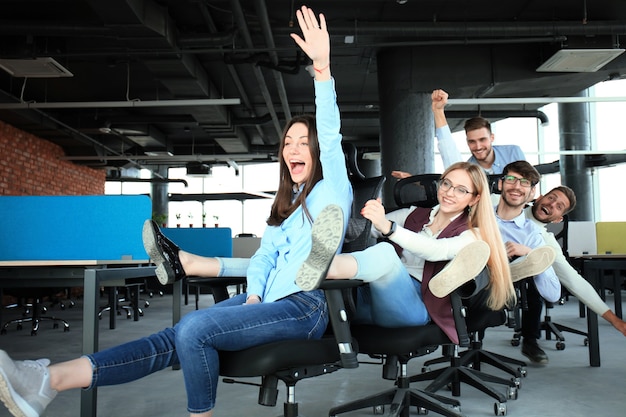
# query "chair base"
(550, 329)
(401, 398)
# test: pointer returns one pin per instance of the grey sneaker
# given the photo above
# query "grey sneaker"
(536, 262)
(326, 235)
(25, 386)
(465, 266)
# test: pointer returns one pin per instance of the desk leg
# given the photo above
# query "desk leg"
(89, 398)
(593, 337)
(617, 292)
(177, 294)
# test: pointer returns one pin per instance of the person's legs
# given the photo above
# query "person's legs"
(393, 298)
(531, 324)
(27, 387)
(230, 325)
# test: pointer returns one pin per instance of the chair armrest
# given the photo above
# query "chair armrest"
(339, 318)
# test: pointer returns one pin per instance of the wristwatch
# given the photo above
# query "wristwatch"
(392, 229)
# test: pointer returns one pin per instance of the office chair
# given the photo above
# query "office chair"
(398, 346)
(293, 360)
(33, 312)
(547, 326)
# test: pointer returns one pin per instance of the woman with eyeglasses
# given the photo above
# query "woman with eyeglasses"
(413, 288)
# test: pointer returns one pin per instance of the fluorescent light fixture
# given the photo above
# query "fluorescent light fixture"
(579, 60)
(34, 68)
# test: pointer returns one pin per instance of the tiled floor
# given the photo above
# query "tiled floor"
(568, 386)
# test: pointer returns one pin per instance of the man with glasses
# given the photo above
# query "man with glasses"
(522, 237)
(551, 208)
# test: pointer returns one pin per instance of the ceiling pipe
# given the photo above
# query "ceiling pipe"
(269, 40)
(121, 104)
(497, 114)
(474, 29)
(150, 180)
(243, 27)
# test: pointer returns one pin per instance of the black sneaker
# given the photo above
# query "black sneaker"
(532, 351)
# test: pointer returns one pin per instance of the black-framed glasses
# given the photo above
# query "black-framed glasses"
(512, 179)
(459, 190)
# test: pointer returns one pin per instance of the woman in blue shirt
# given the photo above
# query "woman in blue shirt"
(312, 177)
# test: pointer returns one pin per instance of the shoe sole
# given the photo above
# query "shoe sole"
(164, 272)
(12, 401)
(465, 266)
(536, 262)
(326, 235)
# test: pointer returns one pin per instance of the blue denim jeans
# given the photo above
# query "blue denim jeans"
(392, 297)
(194, 341)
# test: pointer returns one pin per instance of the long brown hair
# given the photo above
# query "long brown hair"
(283, 205)
(482, 216)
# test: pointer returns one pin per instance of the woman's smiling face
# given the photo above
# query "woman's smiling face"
(296, 153)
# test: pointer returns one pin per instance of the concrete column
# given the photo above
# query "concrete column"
(575, 135)
(407, 127)
(158, 194)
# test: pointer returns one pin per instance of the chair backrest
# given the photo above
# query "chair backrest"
(417, 190)
(493, 183)
(358, 235)
(561, 231)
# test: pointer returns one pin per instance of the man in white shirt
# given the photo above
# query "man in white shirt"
(551, 208)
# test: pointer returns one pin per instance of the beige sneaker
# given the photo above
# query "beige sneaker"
(326, 235)
(536, 262)
(465, 266)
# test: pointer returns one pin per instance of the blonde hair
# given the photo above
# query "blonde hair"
(482, 216)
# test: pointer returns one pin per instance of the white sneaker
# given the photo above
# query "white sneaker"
(465, 266)
(326, 235)
(25, 386)
(536, 262)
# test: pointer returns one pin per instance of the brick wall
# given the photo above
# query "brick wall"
(32, 166)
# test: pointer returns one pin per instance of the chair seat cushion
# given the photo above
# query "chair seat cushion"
(271, 357)
(397, 341)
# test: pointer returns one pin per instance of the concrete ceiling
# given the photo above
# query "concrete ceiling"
(155, 59)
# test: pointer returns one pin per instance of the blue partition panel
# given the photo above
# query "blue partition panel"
(207, 241)
(101, 227)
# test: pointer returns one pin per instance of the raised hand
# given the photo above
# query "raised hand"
(316, 42)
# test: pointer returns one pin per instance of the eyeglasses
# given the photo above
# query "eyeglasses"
(512, 179)
(459, 191)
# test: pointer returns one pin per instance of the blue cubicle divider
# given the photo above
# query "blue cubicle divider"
(102, 227)
(207, 241)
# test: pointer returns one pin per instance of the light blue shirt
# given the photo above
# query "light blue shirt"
(273, 268)
(504, 154)
(524, 231)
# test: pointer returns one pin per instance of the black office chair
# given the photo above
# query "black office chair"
(293, 360)
(33, 311)
(547, 326)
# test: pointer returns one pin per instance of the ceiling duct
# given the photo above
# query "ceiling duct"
(198, 169)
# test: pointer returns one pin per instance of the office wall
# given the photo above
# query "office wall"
(32, 166)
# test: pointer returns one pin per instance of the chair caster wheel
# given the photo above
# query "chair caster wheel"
(499, 409)
(517, 382)
(522, 370)
(378, 409)
(586, 342)
(560, 346)
(515, 342)
(512, 394)
(422, 411)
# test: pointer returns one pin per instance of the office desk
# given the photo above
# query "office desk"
(88, 274)
(593, 268)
